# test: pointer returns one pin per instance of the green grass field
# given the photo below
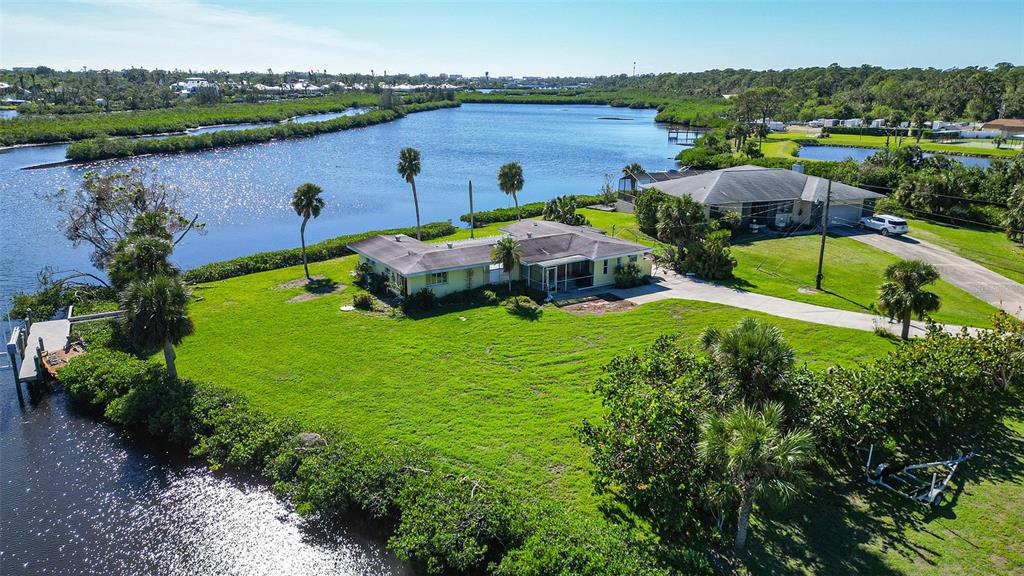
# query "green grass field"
(501, 397)
(783, 266)
(490, 392)
(780, 144)
(786, 267)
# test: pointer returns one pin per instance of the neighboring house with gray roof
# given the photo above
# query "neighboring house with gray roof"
(556, 258)
(771, 196)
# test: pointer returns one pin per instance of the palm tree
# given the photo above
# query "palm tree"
(754, 354)
(901, 295)
(750, 450)
(510, 180)
(306, 202)
(632, 171)
(563, 209)
(507, 253)
(156, 311)
(409, 168)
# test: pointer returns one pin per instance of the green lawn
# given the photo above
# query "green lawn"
(783, 266)
(786, 267)
(990, 248)
(976, 148)
(491, 393)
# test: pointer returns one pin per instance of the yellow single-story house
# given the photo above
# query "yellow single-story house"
(555, 258)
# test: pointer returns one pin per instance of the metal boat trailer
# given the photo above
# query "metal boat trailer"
(902, 480)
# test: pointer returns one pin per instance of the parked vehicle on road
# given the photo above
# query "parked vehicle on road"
(885, 224)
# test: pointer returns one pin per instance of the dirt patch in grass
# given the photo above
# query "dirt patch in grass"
(601, 304)
(318, 287)
(301, 282)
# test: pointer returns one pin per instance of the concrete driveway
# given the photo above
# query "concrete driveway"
(667, 284)
(965, 274)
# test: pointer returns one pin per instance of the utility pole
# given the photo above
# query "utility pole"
(824, 233)
(472, 224)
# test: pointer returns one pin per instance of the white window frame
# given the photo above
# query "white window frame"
(441, 277)
(605, 267)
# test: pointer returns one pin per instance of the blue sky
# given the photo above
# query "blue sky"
(506, 38)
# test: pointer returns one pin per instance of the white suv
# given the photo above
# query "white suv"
(885, 224)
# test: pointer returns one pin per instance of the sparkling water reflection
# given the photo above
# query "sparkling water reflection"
(77, 497)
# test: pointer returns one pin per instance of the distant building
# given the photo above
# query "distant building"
(1007, 125)
(852, 123)
(189, 85)
(878, 123)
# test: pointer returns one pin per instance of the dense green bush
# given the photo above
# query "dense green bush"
(333, 248)
(928, 134)
(423, 299)
(565, 545)
(157, 403)
(529, 210)
(629, 275)
(646, 204)
(103, 147)
(96, 379)
(454, 523)
(491, 297)
(237, 435)
(130, 392)
(363, 301)
(345, 476)
(933, 389)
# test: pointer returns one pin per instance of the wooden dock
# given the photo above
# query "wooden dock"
(49, 335)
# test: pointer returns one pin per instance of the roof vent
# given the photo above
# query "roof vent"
(529, 234)
(398, 237)
(450, 245)
(534, 222)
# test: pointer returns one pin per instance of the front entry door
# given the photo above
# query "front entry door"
(552, 279)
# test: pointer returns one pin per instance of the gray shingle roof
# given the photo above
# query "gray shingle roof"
(756, 184)
(540, 241)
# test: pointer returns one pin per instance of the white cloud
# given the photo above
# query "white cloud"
(174, 34)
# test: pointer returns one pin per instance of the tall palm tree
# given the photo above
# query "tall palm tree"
(750, 450)
(754, 354)
(156, 311)
(901, 295)
(507, 253)
(632, 171)
(409, 168)
(510, 180)
(306, 202)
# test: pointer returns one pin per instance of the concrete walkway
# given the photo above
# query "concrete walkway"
(668, 285)
(965, 274)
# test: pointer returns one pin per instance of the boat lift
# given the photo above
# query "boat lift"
(902, 480)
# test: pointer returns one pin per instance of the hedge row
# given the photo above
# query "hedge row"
(442, 521)
(103, 147)
(529, 210)
(866, 131)
(332, 248)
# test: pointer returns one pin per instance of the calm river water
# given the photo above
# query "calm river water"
(242, 193)
(80, 497)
